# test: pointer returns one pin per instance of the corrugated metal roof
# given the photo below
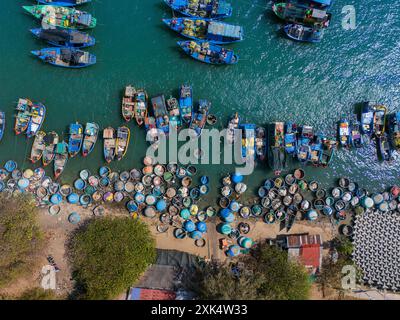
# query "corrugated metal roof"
(296, 241)
(150, 294)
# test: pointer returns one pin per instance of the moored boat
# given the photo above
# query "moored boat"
(233, 125)
(174, 113)
(109, 144)
(276, 147)
(328, 151)
(64, 3)
(64, 37)
(261, 143)
(316, 149)
(344, 133)
(385, 152)
(367, 119)
(290, 137)
(303, 151)
(217, 9)
(379, 120)
(122, 142)
(66, 57)
(38, 147)
(161, 113)
(152, 135)
(23, 115)
(38, 115)
(186, 103)
(209, 53)
(302, 33)
(140, 106)
(51, 141)
(200, 117)
(61, 158)
(128, 103)
(248, 141)
(356, 138)
(75, 139)
(90, 138)
(394, 130)
(2, 124)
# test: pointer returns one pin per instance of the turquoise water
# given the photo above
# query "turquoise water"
(276, 79)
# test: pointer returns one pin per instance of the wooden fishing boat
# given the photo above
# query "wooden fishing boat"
(128, 104)
(90, 138)
(367, 119)
(75, 139)
(140, 106)
(261, 143)
(290, 137)
(186, 103)
(233, 125)
(161, 113)
(316, 149)
(344, 133)
(60, 159)
(277, 159)
(357, 140)
(394, 131)
(64, 3)
(248, 141)
(328, 151)
(152, 135)
(385, 152)
(64, 37)
(303, 151)
(38, 115)
(302, 33)
(2, 124)
(199, 119)
(38, 147)
(66, 57)
(110, 144)
(216, 9)
(51, 140)
(174, 113)
(23, 115)
(122, 142)
(62, 17)
(379, 120)
(216, 32)
(209, 53)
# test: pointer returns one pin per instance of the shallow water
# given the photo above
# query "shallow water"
(276, 79)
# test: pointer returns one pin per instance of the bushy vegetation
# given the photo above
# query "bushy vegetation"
(38, 294)
(21, 239)
(110, 254)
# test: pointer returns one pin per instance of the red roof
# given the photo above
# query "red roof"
(150, 294)
(310, 255)
(299, 240)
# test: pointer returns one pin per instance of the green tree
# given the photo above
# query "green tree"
(20, 237)
(110, 254)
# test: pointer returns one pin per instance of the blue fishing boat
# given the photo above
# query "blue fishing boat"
(186, 103)
(75, 139)
(316, 149)
(277, 158)
(302, 33)
(64, 37)
(394, 130)
(248, 141)
(174, 113)
(379, 120)
(233, 125)
(209, 53)
(215, 32)
(303, 151)
(90, 138)
(217, 9)
(290, 137)
(38, 115)
(367, 119)
(64, 3)
(357, 140)
(160, 113)
(66, 57)
(328, 151)
(2, 124)
(200, 117)
(385, 151)
(261, 143)
(344, 133)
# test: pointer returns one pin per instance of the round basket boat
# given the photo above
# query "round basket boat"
(150, 200)
(90, 190)
(16, 174)
(262, 192)
(79, 184)
(276, 204)
(244, 228)
(278, 182)
(319, 204)
(119, 197)
(99, 211)
(245, 212)
(299, 174)
(344, 183)
(194, 210)
(195, 193)
(168, 177)
(140, 197)
(204, 180)
(113, 177)
(346, 230)
(85, 200)
(97, 196)
(280, 215)
(224, 202)
(202, 216)
(28, 174)
(147, 170)
(56, 198)
(314, 186)
(148, 161)
(136, 175)
(104, 182)
(159, 170)
(4, 174)
(157, 181)
(84, 174)
(147, 180)
(293, 189)
(124, 176)
(282, 191)
(172, 167)
(321, 193)
(211, 212)
(187, 202)
(226, 191)
(108, 197)
(54, 210)
(268, 184)
(170, 193)
(240, 188)
(119, 186)
(74, 218)
(139, 187)
(53, 187)
(150, 212)
(23, 183)
(11, 184)
(227, 181)
(180, 233)
(256, 210)
(290, 179)
(10, 166)
(73, 198)
(201, 243)
(191, 170)
(66, 190)
(173, 210)
(204, 189)
(104, 171)
(132, 206)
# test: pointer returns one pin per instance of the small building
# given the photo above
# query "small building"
(150, 294)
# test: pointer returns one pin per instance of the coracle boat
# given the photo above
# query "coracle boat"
(200, 117)
(186, 103)
(140, 106)
(261, 143)
(216, 9)
(75, 139)
(316, 149)
(302, 33)
(64, 37)
(152, 135)
(23, 115)
(303, 151)
(276, 147)
(379, 120)
(357, 140)
(38, 147)
(62, 17)
(2, 124)
(328, 151)
(367, 119)
(38, 114)
(394, 130)
(51, 141)
(209, 53)
(66, 57)
(215, 32)
(64, 3)
(248, 141)
(174, 113)
(233, 125)
(344, 133)
(122, 142)
(290, 137)
(128, 104)
(61, 158)
(109, 144)
(90, 138)
(161, 113)
(385, 152)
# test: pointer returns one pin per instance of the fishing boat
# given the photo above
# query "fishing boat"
(62, 17)
(64, 37)
(316, 149)
(261, 143)
(379, 120)
(209, 53)
(64, 3)
(23, 115)
(66, 57)
(128, 104)
(248, 141)
(153, 134)
(216, 9)
(276, 147)
(38, 114)
(200, 117)
(90, 138)
(109, 144)
(186, 103)
(328, 151)
(357, 140)
(75, 139)
(367, 119)
(60, 159)
(161, 113)
(51, 140)
(174, 113)
(290, 138)
(2, 124)
(38, 147)
(302, 33)
(344, 133)
(140, 106)
(216, 32)
(385, 152)
(303, 151)
(122, 142)
(394, 131)
(233, 125)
